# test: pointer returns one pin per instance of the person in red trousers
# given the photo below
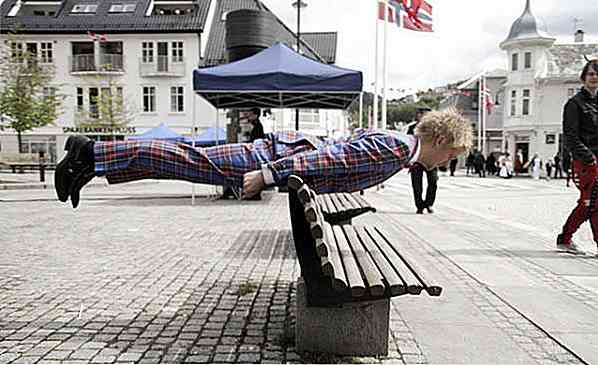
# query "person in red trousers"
(580, 128)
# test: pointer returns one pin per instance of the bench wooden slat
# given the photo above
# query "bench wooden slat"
(416, 269)
(332, 265)
(364, 204)
(371, 273)
(329, 204)
(323, 245)
(351, 202)
(393, 281)
(310, 212)
(355, 282)
(321, 202)
(339, 208)
(414, 286)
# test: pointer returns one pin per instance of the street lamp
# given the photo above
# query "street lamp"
(298, 5)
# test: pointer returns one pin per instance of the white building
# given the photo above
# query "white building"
(541, 76)
(148, 49)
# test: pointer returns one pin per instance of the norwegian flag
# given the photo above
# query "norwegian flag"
(98, 37)
(487, 98)
(416, 15)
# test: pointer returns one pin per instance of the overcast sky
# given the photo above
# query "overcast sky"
(466, 41)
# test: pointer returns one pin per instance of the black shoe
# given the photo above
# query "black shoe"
(419, 211)
(73, 171)
(430, 210)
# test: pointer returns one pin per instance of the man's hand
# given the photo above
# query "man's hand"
(253, 183)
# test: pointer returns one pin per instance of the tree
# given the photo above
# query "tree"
(108, 108)
(26, 100)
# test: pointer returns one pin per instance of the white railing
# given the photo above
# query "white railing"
(161, 66)
(87, 63)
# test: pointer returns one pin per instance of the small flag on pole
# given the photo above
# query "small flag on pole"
(416, 15)
(97, 37)
(487, 98)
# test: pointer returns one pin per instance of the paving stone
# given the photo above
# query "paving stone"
(224, 358)
(84, 354)
(27, 360)
(130, 357)
(249, 358)
(198, 359)
(103, 359)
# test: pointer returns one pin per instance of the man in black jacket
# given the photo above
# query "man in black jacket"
(417, 173)
(257, 130)
(580, 128)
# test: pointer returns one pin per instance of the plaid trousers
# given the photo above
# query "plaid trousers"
(125, 161)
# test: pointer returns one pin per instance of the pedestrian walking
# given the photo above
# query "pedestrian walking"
(581, 138)
(548, 167)
(417, 172)
(453, 166)
(558, 168)
(535, 166)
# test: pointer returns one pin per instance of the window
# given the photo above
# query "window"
(79, 99)
(49, 92)
(93, 102)
(149, 99)
(177, 51)
(84, 8)
(527, 63)
(147, 52)
(513, 102)
(46, 52)
(176, 99)
(122, 8)
(16, 52)
(515, 62)
(525, 102)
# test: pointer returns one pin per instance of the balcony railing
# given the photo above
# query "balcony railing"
(161, 66)
(87, 63)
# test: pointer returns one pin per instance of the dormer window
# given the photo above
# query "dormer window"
(173, 7)
(122, 8)
(84, 8)
(35, 8)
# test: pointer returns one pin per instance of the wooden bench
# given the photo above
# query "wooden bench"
(22, 166)
(348, 274)
(341, 208)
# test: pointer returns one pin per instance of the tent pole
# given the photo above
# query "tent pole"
(375, 116)
(193, 99)
(361, 109)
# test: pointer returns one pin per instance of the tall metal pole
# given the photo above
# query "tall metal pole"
(480, 100)
(375, 116)
(384, 69)
(298, 48)
(361, 109)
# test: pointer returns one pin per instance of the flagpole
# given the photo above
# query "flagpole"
(375, 122)
(484, 114)
(384, 61)
(480, 114)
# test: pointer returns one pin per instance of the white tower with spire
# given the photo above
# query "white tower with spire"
(527, 48)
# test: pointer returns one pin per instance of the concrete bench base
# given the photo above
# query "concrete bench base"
(354, 329)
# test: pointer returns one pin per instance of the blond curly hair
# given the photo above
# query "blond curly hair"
(449, 124)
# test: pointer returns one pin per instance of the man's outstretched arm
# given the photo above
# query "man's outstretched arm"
(337, 167)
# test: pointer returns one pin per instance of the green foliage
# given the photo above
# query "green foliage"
(111, 107)
(23, 80)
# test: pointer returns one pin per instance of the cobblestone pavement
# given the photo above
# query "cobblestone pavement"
(138, 274)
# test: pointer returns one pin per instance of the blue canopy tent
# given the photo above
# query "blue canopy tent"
(160, 132)
(210, 137)
(278, 77)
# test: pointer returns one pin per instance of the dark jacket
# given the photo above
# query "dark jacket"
(257, 131)
(580, 126)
